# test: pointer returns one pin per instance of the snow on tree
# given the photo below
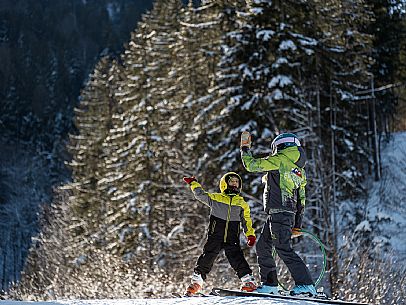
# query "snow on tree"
(93, 118)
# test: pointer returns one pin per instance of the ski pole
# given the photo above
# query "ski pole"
(322, 247)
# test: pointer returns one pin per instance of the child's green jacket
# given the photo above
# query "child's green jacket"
(285, 180)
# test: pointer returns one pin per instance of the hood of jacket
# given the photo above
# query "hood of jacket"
(223, 181)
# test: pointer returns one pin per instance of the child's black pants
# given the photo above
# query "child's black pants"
(232, 251)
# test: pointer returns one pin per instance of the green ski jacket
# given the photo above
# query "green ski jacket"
(285, 180)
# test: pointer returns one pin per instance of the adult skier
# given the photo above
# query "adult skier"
(284, 201)
(228, 211)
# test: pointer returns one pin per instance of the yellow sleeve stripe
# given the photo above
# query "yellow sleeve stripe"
(194, 185)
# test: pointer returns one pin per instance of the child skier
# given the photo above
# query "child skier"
(284, 202)
(228, 210)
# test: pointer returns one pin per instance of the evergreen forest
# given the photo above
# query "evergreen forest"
(173, 103)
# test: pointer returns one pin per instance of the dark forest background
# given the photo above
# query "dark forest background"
(47, 52)
(105, 105)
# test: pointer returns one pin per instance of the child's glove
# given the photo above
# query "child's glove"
(296, 232)
(251, 240)
(245, 140)
(189, 180)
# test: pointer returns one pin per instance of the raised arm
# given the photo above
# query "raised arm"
(253, 164)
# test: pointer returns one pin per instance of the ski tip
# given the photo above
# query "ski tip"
(186, 295)
(176, 295)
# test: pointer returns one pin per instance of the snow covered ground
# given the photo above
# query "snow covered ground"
(387, 201)
(175, 301)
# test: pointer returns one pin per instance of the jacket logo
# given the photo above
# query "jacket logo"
(297, 172)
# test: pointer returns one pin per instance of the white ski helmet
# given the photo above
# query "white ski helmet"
(284, 140)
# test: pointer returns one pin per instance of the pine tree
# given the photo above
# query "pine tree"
(93, 119)
(124, 141)
(261, 79)
(215, 18)
(388, 30)
(140, 180)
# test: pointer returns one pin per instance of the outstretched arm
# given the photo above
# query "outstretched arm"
(199, 193)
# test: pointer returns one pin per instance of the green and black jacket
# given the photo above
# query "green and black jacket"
(285, 180)
(227, 212)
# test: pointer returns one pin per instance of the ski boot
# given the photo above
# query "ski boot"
(248, 283)
(195, 285)
(269, 289)
(308, 290)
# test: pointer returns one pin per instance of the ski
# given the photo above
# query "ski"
(197, 295)
(236, 293)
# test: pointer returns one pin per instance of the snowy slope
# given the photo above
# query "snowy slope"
(174, 301)
(386, 208)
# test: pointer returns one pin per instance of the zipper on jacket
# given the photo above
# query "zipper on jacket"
(228, 219)
(213, 226)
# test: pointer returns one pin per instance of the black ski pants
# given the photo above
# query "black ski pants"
(277, 232)
(232, 251)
